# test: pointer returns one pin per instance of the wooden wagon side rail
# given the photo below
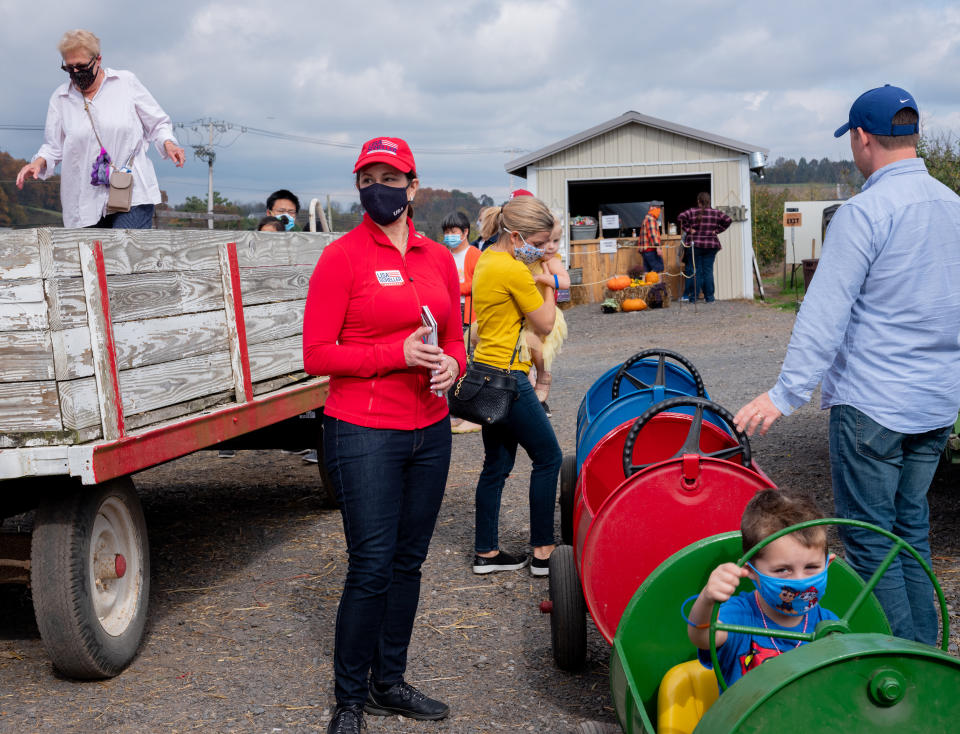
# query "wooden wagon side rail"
(170, 303)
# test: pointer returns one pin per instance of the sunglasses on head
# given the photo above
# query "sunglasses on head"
(73, 68)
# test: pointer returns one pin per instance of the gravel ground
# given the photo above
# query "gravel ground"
(248, 565)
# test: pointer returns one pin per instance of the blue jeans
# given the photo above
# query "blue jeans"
(390, 485)
(652, 261)
(528, 426)
(704, 257)
(139, 217)
(882, 477)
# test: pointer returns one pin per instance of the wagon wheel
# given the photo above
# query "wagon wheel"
(90, 576)
(568, 488)
(568, 619)
(841, 625)
(691, 444)
(660, 379)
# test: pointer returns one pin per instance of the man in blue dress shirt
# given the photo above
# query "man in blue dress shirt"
(880, 328)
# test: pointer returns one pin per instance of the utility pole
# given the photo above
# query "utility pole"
(207, 153)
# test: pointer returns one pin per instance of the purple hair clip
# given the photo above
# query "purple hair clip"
(100, 174)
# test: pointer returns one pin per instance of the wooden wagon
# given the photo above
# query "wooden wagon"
(121, 350)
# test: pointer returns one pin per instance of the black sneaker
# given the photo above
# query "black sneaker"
(546, 408)
(500, 562)
(347, 720)
(403, 699)
(539, 566)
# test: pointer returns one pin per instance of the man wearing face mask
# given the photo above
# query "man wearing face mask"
(284, 205)
(456, 232)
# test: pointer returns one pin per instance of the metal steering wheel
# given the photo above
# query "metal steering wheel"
(660, 379)
(691, 444)
(830, 626)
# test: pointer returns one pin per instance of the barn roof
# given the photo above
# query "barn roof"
(518, 165)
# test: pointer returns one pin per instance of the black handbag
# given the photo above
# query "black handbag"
(484, 394)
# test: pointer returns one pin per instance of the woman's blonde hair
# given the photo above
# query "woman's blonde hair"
(524, 214)
(79, 39)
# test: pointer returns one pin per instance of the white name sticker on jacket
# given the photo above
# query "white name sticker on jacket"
(389, 277)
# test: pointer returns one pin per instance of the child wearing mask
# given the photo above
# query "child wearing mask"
(548, 271)
(790, 575)
(456, 236)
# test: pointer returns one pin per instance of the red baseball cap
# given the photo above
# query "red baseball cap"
(520, 192)
(392, 151)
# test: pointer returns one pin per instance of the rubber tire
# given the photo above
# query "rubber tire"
(568, 619)
(568, 489)
(60, 577)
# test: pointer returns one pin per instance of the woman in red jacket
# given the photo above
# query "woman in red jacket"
(386, 430)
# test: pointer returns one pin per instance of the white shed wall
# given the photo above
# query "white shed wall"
(639, 151)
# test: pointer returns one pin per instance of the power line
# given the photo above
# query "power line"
(454, 150)
(223, 126)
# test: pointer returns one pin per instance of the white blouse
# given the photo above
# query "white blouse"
(127, 118)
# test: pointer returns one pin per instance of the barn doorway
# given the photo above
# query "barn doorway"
(678, 193)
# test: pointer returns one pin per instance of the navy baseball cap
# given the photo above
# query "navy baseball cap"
(874, 110)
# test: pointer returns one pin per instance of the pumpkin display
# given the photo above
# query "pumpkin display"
(618, 282)
(633, 304)
(652, 277)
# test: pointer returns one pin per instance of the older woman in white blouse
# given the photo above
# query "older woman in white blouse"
(114, 106)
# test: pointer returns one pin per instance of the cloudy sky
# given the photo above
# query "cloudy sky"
(472, 84)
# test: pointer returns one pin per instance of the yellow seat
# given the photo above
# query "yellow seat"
(686, 692)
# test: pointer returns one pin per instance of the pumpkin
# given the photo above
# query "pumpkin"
(653, 277)
(618, 282)
(633, 304)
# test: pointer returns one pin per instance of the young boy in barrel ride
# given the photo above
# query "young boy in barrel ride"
(790, 575)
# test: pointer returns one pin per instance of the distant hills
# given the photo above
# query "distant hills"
(38, 204)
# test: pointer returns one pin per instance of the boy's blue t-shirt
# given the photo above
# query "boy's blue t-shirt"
(742, 653)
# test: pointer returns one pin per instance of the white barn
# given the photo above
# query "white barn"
(636, 158)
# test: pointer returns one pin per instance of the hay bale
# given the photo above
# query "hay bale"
(634, 291)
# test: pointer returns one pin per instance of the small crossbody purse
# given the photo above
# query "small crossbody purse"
(484, 394)
(121, 182)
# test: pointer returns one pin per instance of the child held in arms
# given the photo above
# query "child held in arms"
(547, 271)
(790, 575)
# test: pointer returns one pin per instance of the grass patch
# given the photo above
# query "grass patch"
(780, 298)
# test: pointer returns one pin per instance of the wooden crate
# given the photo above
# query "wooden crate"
(170, 306)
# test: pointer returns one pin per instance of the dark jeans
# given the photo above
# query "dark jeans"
(139, 217)
(390, 485)
(704, 257)
(882, 477)
(652, 261)
(528, 426)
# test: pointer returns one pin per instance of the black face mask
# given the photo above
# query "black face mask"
(85, 77)
(383, 203)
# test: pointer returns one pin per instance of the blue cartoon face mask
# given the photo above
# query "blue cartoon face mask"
(527, 253)
(793, 597)
(452, 240)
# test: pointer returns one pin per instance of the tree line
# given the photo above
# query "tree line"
(789, 171)
(941, 154)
